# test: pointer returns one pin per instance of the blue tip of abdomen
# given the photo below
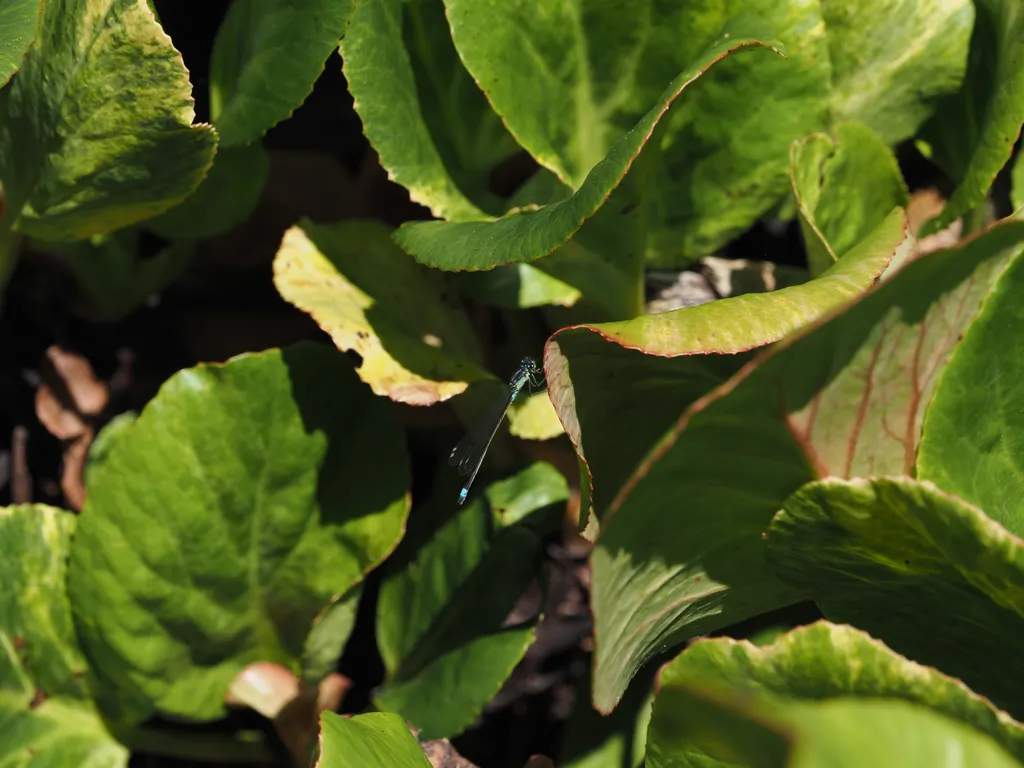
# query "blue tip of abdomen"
(463, 494)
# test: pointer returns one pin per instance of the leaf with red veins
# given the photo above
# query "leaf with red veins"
(681, 550)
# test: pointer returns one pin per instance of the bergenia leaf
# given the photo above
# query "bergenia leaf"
(881, 81)
(265, 60)
(973, 133)
(243, 498)
(373, 740)
(414, 340)
(517, 286)
(569, 82)
(844, 187)
(1017, 186)
(736, 730)
(529, 235)
(973, 442)
(47, 713)
(729, 152)
(926, 572)
(807, 671)
(534, 418)
(443, 605)
(19, 22)
(329, 634)
(680, 551)
(97, 130)
(226, 197)
(433, 129)
(587, 375)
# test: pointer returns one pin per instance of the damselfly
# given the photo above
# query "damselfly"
(469, 454)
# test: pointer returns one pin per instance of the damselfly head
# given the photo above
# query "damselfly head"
(528, 364)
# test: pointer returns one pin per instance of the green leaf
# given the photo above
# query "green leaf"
(973, 132)
(514, 499)
(534, 418)
(373, 740)
(571, 81)
(227, 196)
(517, 286)
(100, 448)
(866, 550)
(884, 79)
(587, 376)
(529, 235)
(468, 677)
(415, 342)
(47, 715)
(680, 551)
(328, 637)
(740, 323)
(819, 663)
(114, 278)
(700, 726)
(601, 66)
(97, 131)
(441, 610)
(241, 501)
(732, 730)
(19, 22)
(844, 187)
(973, 442)
(265, 60)
(601, 284)
(726, 149)
(727, 163)
(431, 126)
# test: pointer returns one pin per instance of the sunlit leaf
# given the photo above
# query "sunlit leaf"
(924, 571)
(243, 499)
(415, 342)
(47, 715)
(373, 740)
(683, 506)
(97, 127)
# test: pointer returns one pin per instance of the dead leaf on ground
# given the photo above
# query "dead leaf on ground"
(88, 393)
(62, 422)
(67, 425)
(72, 481)
(68, 395)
